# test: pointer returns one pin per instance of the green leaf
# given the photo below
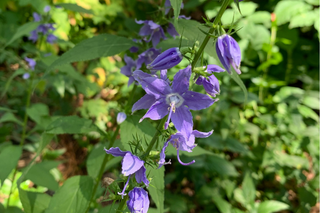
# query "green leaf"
(176, 5)
(23, 30)
(220, 166)
(6, 87)
(260, 17)
(40, 175)
(285, 10)
(238, 80)
(190, 30)
(74, 7)
(34, 202)
(271, 206)
(311, 102)
(12, 209)
(304, 19)
(131, 129)
(37, 4)
(9, 157)
(247, 8)
(222, 204)
(73, 196)
(248, 189)
(36, 111)
(197, 151)
(307, 112)
(95, 160)
(98, 46)
(71, 125)
(9, 117)
(156, 187)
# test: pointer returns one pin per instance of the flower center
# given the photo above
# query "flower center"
(174, 100)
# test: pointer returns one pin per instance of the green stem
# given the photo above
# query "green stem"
(122, 204)
(155, 137)
(211, 30)
(25, 120)
(127, 110)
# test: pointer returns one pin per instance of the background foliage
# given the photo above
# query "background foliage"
(262, 157)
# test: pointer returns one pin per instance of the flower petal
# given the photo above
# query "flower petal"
(199, 134)
(180, 83)
(182, 120)
(162, 160)
(197, 101)
(143, 103)
(141, 176)
(131, 164)
(157, 111)
(116, 152)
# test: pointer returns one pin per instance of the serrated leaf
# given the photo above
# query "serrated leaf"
(34, 202)
(36, 111)
(176, 5)
(190, 30)
(71, 125)
(9, 157)
(74, 7)
(73, 196)
(23, 30)
(271, 206)
(285, 10)
(98, 46)
(156, 187)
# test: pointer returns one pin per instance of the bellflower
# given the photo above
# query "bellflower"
(44, 28)
(127, 70)
(131, 164)
(31, 62)
(121, 117)
(229, 53)
(172, 30)
(154, 30)
(138, 200)
(47, 9)
(26, 75)
(36, 17)
(175, 100)
(148, 56)
(210, 84)
(169, 58)
(51, 38)
(183, 142)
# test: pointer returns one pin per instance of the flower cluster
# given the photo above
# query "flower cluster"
(44, 29)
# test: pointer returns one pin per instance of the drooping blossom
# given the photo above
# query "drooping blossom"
(175, 100)
(211, 83)
(31, 62)
(153, 30)
(166, 60)
(129, 68)
(182, 142)
(121, 117)
(131, 165)
(229, 53)
(138, 200)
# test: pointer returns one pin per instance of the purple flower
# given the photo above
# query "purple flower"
(172, 30)
(210, 84)
(36, 17)
(47, 9)
(44, 28)
(138, 200)
(51, 38)
(134, 49)
(175, 100)
(154, 30)
(148, 56)
(184, 17)
(31, 62)
(166, 60)
(128, 69)
(26, 75)
(229, 53)
(121, 117)
(183, 142)
(131, 164)
(33, 36)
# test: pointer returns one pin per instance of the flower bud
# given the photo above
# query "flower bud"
(138, 201)
(166, 60)
(121, 117)
(229, 53)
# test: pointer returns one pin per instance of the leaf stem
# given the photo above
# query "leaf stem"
(216, 21)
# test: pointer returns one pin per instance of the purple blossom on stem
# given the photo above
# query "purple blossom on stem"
(31, 62)
(36, 17)
(183, 142)
(147, 56)
(51, 38)
(131, 164)
(138, 201)
(166, 60)
(154, 30)
(33, 36)
(229, 53)
(121, 117)
(129, 68)
(211, 84)
(47, 9)
(175, 100)
(44, 28)
(172, 30)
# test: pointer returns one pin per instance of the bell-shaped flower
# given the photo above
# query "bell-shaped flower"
(138, 200)
(131, 164)
(129, 68)
(31, 62)
(229, 53)
(166, 60)
(47, 9)
(154, 30)
(175, 100)
(147, 56)
(182, 142)
(211, 83)
(36, 17)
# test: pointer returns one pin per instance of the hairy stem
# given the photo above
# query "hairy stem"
(216, 21)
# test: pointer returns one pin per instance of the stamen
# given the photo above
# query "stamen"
(185, 164)
(124, 189)
(172, 108)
